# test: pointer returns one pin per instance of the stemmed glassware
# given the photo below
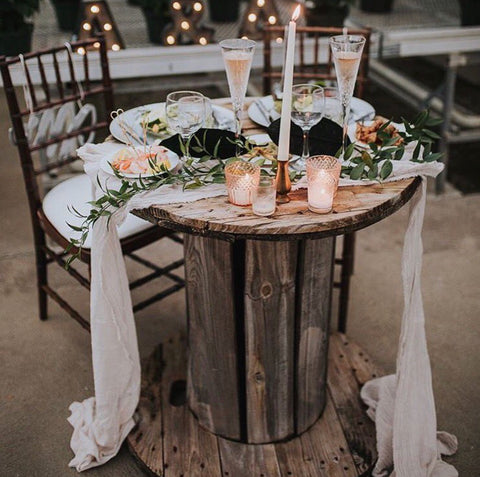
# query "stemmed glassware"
(308, 105)
(186, 112)
(347, 53)
(237, 56)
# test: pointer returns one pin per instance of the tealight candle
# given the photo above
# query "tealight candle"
(264, 197)
(242, 178)
(323, 173)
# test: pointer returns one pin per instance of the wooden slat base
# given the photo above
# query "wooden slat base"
(169, 442)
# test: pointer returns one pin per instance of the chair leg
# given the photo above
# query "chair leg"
(348, 258)
(41, 282)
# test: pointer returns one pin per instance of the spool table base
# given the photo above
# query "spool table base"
(169, 442)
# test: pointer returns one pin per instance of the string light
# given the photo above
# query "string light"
(81, 51)
(186, 16)
(95, 19)
(279, 39)
(258, 14)
(245, 37)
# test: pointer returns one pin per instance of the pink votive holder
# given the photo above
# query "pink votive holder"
(323, 174)
(242, 179)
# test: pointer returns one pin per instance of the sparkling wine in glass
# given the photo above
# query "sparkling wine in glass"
(347, 53)
(237, 56)
(308, 106)
(186, 112)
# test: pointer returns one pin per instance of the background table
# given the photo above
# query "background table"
(258, 303)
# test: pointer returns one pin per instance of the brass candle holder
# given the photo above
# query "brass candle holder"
(283, 182)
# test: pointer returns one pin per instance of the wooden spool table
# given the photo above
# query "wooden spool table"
(258, 300)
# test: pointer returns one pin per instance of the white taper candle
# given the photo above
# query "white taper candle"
(284, 139)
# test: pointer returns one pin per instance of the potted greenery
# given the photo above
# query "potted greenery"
(66, 12)
(157, 16)
(376, 6)
(15, 30)
(327, 12)
(223, 10)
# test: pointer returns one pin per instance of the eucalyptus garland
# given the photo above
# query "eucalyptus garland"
(374, 162)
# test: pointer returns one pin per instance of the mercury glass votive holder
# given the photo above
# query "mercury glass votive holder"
(264, 196)
(323, 174)
(242, 179)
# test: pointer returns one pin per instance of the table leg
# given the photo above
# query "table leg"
(258, 321)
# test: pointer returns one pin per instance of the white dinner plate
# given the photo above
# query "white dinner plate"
(223, 119)
(263, 116)
(263, 139)
(107, 160)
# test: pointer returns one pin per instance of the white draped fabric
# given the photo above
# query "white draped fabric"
(403, 406)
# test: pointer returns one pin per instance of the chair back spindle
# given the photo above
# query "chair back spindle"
(52, 96)
(315, 66)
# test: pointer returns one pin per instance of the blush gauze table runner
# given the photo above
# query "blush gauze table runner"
(402, 405)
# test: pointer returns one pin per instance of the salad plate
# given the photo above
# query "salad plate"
(136, 162)
(266, 147)
(156, 125)
(362, 133)
(264, 110)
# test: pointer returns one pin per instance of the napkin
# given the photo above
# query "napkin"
(209, 139)
(324, 138)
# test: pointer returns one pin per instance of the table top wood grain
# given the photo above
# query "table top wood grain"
(354, 208)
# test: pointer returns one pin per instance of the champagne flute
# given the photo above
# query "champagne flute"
(186, 112)
(308, 105)
(237, 56)
(347, 53)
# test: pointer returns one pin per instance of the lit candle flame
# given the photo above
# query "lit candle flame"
(296, 13)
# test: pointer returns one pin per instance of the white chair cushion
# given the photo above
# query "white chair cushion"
(76, 192)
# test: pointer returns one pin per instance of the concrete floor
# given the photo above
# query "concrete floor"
(47, 365)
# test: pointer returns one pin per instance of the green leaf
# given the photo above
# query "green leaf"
(373, 172)
(431, 134)
(421, 119)
(431, 122)
(416, 151)
(386, 170)
(399, 153)
(75, 227)
(357, 171)
(349, 151)
(434, 156)
(367, 159)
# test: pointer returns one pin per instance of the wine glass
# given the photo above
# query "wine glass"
(347, 53)
(237, 56)
(186, 112)
(308, 105)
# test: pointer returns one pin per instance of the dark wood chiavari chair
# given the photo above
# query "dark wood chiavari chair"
(319, 66)
(137, 234)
